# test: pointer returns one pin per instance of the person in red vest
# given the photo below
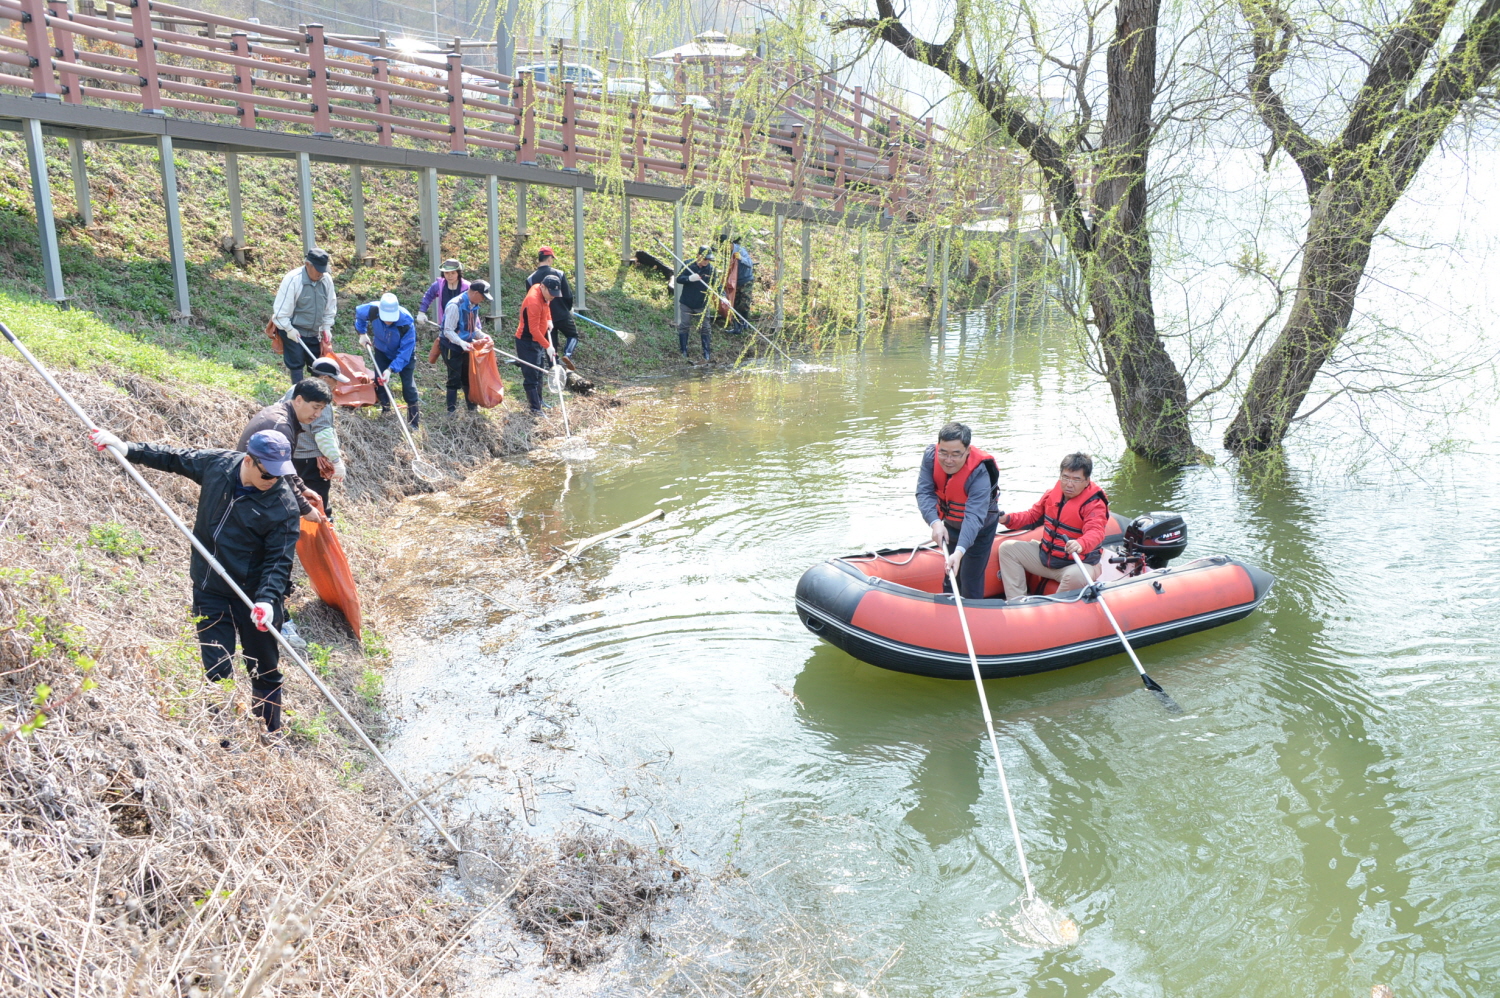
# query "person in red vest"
(956, 489)
(1074, 514)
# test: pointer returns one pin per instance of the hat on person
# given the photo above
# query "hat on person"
(543, 253)
(327, 367)
(483, 287)
(706, 252)
(318, 258)
(390, 307)
(450, 265)
(274, 452)
(552, 284)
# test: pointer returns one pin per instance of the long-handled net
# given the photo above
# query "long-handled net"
(420, 467)
(1029, 921)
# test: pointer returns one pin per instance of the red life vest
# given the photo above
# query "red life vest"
(952, 491)
(1063, 522)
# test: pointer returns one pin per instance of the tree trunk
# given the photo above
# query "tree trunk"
(1149, 393)
(1343, 223)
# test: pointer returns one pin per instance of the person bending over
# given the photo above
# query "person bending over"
(957, 487)
(1075, 515)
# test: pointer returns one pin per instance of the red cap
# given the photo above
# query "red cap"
(543, 253)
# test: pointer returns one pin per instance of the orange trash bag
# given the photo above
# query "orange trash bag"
(328, 569)
(485, 387)
(274, 335)
(731, 285)
(360, 391)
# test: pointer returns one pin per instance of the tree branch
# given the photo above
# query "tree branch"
(1394, 69)
(1271, 33)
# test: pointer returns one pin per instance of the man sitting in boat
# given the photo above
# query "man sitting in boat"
(956, 489)
(1074, 513)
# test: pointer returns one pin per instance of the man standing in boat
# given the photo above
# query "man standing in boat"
(1075, 516)
(957, 487)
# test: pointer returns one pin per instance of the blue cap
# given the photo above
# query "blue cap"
(272, 449)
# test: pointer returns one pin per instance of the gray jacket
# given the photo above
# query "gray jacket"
(980, 507)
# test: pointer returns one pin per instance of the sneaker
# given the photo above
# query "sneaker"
(275, 740)
(297, 641)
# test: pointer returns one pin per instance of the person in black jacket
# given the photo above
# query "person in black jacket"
(562, 305)
(248, 520)
(693, 280)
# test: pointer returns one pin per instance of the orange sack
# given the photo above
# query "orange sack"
(274, 335)
(360, 391)
(485, 387)
(328, 569)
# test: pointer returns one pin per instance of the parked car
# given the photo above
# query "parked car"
(661, 94)
(572, 72)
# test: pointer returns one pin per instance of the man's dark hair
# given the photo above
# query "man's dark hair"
(1078, 461)
(313, 390)
(955, 431)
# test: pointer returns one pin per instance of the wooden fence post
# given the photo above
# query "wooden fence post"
(382, 69)
(39, 50)
(525, 97)
(244, 79)
(570, 127)
(145, 56)
(64, 39)
(859, 114)
(458, 144)
(317, 74)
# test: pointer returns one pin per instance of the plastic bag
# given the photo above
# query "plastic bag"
(360, 391)
(328, 569)
(274, 335)
(485, 387)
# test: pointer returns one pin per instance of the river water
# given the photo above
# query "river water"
(1322, 817)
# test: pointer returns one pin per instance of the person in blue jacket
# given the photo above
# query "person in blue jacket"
(389, 330)
(744, 278)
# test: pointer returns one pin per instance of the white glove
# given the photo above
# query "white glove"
(422, 317)
(694, 278)
(552, 354)
(261, 614)
(339, 470)
(364, 339)
(326, 335)
(672, 284)
(105, 440)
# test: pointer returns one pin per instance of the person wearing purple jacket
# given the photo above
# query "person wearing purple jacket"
(446, 288)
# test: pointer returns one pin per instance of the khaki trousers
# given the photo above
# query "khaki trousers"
(1019, 557)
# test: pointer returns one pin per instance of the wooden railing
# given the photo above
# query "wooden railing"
(824, 143)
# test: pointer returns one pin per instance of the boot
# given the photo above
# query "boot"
(413, 416)
(534, 398)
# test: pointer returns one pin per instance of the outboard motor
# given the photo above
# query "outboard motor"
(1158, 536)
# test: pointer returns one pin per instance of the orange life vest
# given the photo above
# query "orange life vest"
(952, 490)
(1063, 522)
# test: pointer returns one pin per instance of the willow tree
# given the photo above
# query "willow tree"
(1108, 232)
(1355, 169)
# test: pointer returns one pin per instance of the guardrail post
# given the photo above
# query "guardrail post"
(63, 38)
(244, 79)
(806, 261)
(236, 206)
(305, 201)
(625, 228)
(41, 196)
(578, 269)
(434, 226)
(458, 143)
(522, 192)
(317, 74)
(145, 56)
(80, 181)
(357, 210)
(175, 248)
(943, 282)
(381, 67)
(492, 234)
(778, 222)
(525, 99)
(39, 50)
(677, 249)
(570, 127)
(860, 310)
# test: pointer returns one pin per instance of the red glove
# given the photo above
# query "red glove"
(261, 614)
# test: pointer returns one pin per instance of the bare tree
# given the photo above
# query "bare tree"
(1411, 92)
(1110, 235)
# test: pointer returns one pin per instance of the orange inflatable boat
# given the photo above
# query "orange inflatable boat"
(888, 608)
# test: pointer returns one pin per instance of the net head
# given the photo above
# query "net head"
(426, 472)
(1035, 923)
